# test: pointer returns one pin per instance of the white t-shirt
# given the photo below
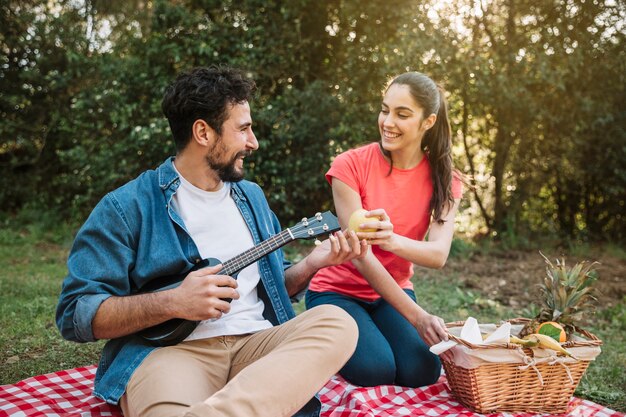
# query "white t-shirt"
(219, 231)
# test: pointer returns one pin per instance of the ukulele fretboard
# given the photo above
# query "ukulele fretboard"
(252, 255)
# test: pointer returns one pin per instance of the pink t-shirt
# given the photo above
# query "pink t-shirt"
(405, 195)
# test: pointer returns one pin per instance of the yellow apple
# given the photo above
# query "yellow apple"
(357, 218)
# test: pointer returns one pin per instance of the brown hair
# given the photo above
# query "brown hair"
(437, 141)
(203, 93)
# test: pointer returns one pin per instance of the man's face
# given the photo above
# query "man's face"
(235, 143)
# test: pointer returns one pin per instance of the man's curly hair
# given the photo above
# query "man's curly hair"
(203, 93)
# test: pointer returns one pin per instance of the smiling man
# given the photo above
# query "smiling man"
(247, 357)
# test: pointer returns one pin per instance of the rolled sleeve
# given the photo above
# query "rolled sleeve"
(86, 308)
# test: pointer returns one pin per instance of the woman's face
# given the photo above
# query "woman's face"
(401, 121)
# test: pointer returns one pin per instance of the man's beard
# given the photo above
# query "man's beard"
(225, 170)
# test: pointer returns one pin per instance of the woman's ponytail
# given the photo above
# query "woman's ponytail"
(437, 144)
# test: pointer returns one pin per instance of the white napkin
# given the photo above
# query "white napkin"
(501, 335)
(471, 333)
(442, 346)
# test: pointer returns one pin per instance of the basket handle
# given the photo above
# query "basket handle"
(473, 346)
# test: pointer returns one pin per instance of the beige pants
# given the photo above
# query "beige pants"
(271, 373)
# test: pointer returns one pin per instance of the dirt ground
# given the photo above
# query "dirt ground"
(513, 277)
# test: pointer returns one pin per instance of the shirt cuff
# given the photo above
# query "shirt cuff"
(86, 308)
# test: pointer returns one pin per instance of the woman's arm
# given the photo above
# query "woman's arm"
(432, 253)
(431, 328)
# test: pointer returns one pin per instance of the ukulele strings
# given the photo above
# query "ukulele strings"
(269, 245)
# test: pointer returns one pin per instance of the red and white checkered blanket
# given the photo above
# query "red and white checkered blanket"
(68, 393)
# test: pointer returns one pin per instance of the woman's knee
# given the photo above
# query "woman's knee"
(429, 375)
(369, 372)
(426, 370)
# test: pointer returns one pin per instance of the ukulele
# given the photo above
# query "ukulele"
(176, 330)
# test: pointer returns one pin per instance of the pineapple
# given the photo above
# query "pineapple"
(567, 295)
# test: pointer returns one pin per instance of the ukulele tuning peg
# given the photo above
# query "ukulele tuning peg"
(317, 242)
(318, 216)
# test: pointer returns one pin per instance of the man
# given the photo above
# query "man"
(250, 357)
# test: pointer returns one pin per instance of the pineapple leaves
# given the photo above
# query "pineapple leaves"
(567, 293)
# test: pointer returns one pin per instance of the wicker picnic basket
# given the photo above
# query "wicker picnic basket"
(519, 379)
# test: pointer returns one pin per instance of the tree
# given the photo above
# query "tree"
(535, 91)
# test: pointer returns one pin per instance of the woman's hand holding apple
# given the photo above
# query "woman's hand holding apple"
(375, 226)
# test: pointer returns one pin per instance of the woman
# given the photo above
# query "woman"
(405, 180)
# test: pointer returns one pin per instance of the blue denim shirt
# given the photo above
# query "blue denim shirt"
(134, 235)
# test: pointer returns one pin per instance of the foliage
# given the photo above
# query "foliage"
(302, 138)
(535, 92)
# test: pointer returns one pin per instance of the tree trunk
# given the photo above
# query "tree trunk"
(502, 146)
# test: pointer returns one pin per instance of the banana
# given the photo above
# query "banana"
(523, 342)
(548, 343)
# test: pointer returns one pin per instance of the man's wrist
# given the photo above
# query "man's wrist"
(167, 300)
(310, 267)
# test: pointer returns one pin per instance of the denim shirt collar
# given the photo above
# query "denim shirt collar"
(169, 180)
(167, 174)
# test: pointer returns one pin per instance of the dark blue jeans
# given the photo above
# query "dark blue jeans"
(389, 350)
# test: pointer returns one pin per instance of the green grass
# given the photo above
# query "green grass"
(32, 268)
